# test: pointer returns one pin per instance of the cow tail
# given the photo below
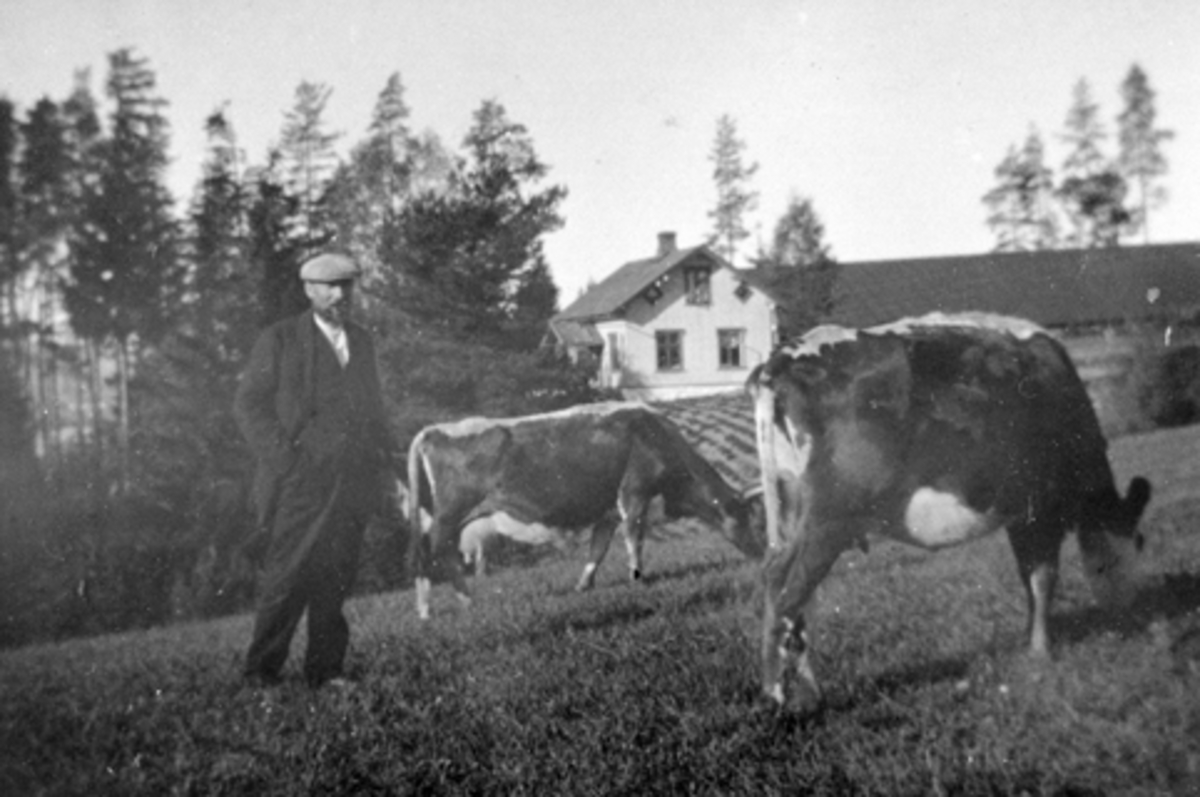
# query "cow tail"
(764, 430)
(413, 500)
(418, 542)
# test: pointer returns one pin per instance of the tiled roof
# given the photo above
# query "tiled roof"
(624, 284)
(1061, 287)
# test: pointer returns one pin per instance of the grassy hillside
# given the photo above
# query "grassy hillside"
(652, 688)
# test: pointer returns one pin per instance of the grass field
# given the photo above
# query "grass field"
(652, 688)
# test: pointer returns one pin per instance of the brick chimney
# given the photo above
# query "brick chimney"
(666, 243)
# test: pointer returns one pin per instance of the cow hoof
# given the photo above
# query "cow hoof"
(806, 700)
(803, 701)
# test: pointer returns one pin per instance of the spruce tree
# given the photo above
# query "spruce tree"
(1084, 135)
(1140, 159)
(734, 197)
(307, 164)
(1021, 211)
(126, 277)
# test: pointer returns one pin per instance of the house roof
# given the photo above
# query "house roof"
(1061, 287)
(626, 283)
(575, 333)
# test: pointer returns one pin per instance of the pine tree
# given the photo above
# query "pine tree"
(467, 250)
(9, 222)
(1020, 205)
(1084, 135)
(84, 139)
(126, 273)
(367, 192)
(799, 236)
(1141, 161)
(734, 197)
(49, 210)
(308, 162)
(223, 306)
(798, 268)
(274, 252)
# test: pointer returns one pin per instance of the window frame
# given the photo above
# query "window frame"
(667, 341)
(739, 351)
(697, 285)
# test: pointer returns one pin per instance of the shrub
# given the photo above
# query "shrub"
(1170, 396)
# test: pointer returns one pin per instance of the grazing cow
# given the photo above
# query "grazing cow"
(932, 431)
(531, 478)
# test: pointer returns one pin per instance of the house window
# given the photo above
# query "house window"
(669, 344)
(730, 343)
(696, 285)
(614, 352)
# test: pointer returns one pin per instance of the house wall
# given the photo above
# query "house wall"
(638, 376)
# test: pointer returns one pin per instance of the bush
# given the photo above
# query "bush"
(1170, 396)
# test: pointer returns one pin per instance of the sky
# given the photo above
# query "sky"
(890, 115)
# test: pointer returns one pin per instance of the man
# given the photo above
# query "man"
(309, 404)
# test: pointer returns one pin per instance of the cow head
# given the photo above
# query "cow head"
(1111, 545)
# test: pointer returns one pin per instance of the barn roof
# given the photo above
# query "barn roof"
(1058, 288)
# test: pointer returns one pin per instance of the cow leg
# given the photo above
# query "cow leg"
(602, 534)
(433, 552)
(634, 530)
(419, 564)
(451, 564)
(791, 578)
(1036, 547)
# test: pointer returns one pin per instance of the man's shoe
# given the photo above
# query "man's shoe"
(258, 680)
(338, 683)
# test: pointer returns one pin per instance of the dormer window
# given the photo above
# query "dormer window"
(696, 285)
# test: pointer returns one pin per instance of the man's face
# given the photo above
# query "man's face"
(331, 300)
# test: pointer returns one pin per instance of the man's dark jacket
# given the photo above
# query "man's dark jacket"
(276, 404)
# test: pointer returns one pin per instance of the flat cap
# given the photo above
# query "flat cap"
(328, 268)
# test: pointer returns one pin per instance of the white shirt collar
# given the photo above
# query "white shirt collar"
(336, 336)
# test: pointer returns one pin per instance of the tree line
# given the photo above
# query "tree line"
(125, 321)
(1098, 197)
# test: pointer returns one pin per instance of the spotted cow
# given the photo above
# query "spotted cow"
(932, 431)
(532, 478)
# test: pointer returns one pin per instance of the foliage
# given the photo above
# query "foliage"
(384, 171)
(273, 253)
(18, 462)
(1021, 211)
(126, 270)
(799, 237)
(1170, 395)
(1083, 134)
(1141, 161)
(1098, 202)
(431, 379)
(734, 197)
(467, 264)
(9, 224)
(307, 162)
